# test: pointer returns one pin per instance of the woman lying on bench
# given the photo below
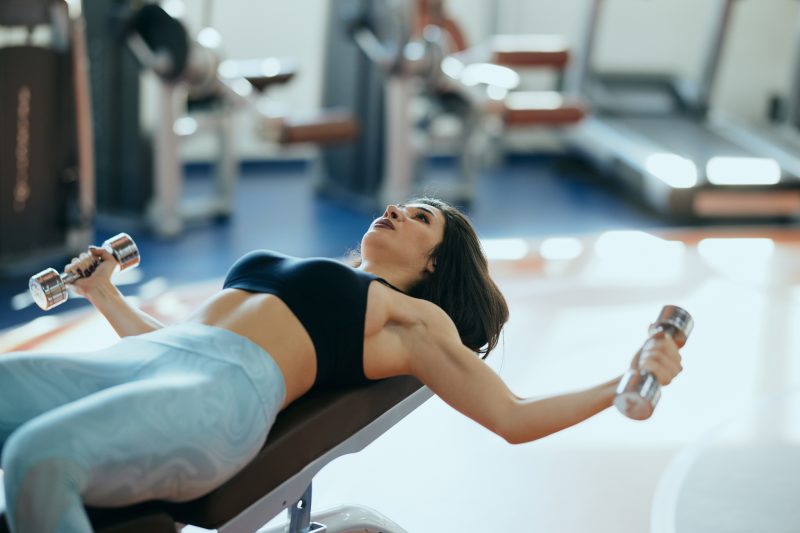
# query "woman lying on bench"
(173, 412)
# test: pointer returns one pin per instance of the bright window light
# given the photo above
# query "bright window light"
(743, 171)
(674, 170)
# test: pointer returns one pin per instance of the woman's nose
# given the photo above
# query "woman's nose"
(393, 212)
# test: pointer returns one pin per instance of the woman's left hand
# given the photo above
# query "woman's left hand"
(659, 356)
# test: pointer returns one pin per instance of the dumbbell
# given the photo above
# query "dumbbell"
(638, 392)
(49, 288)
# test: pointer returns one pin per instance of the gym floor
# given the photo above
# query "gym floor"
(606, 475)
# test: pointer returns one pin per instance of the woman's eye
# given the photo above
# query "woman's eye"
(422, 217)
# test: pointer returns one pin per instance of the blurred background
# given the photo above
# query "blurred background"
(210, 129)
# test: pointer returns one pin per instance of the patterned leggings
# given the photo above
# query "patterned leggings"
(166, 415)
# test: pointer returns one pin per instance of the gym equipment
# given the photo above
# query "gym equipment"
(49, 288)
(123, 153)
(653, 134)
(46, 170)
(399, 66)
(194, 77)
(778, 136)
(638, 391)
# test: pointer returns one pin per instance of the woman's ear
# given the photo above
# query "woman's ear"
(430, 266)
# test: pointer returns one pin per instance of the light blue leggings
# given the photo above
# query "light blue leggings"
(167, 415)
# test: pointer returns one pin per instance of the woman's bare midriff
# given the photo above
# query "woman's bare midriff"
(267, 321)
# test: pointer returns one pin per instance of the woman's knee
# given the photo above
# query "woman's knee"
(32, 444)
(45, 495)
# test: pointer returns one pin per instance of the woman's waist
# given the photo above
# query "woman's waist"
(266, 321)
(263, 318)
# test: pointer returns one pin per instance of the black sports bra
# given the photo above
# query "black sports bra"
(328, 297)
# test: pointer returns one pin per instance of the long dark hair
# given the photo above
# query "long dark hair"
(460, 283)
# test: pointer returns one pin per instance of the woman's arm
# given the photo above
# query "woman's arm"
(461, 379)
(96, 286)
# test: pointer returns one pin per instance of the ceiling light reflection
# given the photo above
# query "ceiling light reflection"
(489, 74)
(535, 99)
(561, 249)
(496, 93)
(633, 244)
(505, 249)
(743, 171)
(210, 38)
(739, 259)
(452, 67)
(636, 258)
(672, 169)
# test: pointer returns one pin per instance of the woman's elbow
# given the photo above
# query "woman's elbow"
(509, 428)
(514, 438)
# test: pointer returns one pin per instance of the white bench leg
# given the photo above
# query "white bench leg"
(355, 518)
(346, 519)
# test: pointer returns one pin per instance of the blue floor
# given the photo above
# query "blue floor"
(277, 208)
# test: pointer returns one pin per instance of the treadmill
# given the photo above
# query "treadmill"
(653, 134)
(778, 135)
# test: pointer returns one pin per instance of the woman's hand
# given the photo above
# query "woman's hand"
(660, 357)
(93, 272)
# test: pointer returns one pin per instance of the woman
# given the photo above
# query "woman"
(172, 412)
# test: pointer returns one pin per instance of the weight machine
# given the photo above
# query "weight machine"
(194, 77)
(46, 166)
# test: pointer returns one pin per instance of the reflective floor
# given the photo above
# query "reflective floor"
(580, 308)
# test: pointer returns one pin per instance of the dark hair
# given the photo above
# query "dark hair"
(460, 283)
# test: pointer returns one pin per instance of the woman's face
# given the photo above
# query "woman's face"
(404, 236)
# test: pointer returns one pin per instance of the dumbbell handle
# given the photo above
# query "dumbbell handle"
(638, 391)
(71, 277)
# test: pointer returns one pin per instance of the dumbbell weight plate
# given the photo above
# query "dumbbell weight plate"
(124, 249)
(637, 394)
(47, 289)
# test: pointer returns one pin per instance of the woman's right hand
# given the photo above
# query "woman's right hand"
(660, 357)
(93, 272)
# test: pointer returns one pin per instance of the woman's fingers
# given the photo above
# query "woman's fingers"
(84, 264)
(660, 356)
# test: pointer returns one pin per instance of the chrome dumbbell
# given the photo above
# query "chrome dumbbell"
(638, 392)
(49, 288)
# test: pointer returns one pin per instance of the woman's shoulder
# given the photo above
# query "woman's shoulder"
(406, 309)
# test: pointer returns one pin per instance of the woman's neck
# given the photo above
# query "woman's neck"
(395, 277)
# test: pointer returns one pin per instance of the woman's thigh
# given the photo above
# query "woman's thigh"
(33, 383)
(173, 437)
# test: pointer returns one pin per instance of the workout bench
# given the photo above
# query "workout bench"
(307, 435)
